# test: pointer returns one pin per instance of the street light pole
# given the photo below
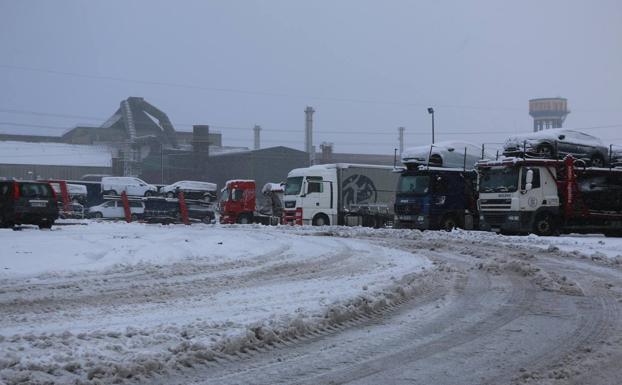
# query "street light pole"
(431, 112)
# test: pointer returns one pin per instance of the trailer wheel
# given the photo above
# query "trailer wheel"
(545, 151)
(543, 225)
(448, 223)
(597, 161)
(320, 220)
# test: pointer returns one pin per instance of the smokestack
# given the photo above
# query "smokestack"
(327, 152)
(400, 130)
(257, 130)
(309, 130)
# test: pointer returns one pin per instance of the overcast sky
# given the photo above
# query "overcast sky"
(367, 67)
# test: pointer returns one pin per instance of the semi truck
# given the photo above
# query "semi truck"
(340, 194)
(433, 198)
(238, 203)
(549, 197)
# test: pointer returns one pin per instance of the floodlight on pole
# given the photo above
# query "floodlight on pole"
(431, 112)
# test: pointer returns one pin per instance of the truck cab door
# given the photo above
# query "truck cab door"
(318, 197)
(532, 195)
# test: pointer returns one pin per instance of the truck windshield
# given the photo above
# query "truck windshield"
(293, 185)
(498, 179)
(414, 184)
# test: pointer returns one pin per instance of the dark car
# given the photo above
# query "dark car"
(556, 144)
(27, 202)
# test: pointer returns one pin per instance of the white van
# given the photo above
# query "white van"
(115, 185)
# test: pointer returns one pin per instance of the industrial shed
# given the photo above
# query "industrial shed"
(29, 160)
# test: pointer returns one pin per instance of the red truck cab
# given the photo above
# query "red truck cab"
(237, 202)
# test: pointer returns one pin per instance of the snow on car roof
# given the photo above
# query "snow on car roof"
(54, 154)
(197, 185)
(553, 135)
(421, 153)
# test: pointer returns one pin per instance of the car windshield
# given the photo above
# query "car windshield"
(414, 184)
(293, 185)
(498, 180)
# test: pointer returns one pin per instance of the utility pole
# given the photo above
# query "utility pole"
(431, 112)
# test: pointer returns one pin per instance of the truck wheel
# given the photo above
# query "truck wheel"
(207, 219)
(448, 223)
(320, 220)
(244, 220)
(544, 225)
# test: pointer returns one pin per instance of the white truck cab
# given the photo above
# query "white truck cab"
(517, 196)
(310, 196)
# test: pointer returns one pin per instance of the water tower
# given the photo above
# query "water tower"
(548, 113)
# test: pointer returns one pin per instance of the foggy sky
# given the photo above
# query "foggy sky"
(367, 67)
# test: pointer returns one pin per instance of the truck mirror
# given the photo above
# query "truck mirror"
(529, 177)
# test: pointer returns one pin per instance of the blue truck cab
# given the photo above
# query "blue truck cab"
(435, 198)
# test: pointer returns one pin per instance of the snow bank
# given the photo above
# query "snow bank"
(111, 301)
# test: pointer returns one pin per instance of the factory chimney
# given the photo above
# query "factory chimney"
(309, 130)
(256, 131)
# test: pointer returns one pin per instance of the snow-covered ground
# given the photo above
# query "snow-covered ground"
(107, 300)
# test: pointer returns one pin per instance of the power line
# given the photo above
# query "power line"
(254, 92)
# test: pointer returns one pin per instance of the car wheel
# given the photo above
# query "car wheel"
(148, 193)
(448, 223)
(134, 217)
(110, 192)
(170, 195)
(46, 224)
(545, 151)
(597, 161)
(544, 225)
(98, 215)
(207, 219)
(320, 220)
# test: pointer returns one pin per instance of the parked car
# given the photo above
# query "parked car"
(77, 192)
(556, 144)
(449, 154)
(114, 209)
(115, 185)
(27, 202)
(191, 189)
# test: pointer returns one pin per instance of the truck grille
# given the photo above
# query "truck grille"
(407, 209)
(494, 219)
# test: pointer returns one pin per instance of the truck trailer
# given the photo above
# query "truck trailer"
(340, 194)
(435, 198)
(549, 197)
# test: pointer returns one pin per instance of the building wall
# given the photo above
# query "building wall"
(263, 166)
(19, 171)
